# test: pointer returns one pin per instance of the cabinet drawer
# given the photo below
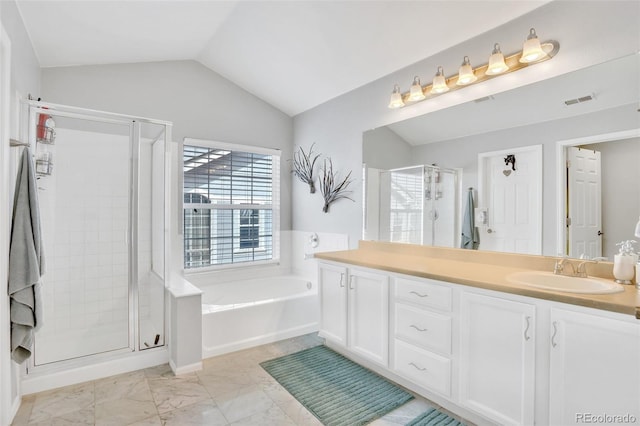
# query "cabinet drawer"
(423, 328)
(424, 292)
(423, 368)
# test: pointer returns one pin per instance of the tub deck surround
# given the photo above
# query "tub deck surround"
(487, 270)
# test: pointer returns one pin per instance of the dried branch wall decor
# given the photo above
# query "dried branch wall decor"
(330, 189)
(303, 166)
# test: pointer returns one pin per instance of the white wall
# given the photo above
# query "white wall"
(586, 38)
(24, 79)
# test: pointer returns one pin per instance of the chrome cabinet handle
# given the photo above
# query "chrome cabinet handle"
(418, 328)
(416, 367)
(555, 332)
(351, 282)
(526, 337)
(342, 279)
(418, 294)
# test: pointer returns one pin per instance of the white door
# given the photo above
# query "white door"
(513, 199)
(584, 211)
(604, 382)
(497, 364)
(369, 315)
(333, 303)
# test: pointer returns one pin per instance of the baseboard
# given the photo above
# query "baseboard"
(208, 352)
(38, 382)
(15, 406)
(197, 366)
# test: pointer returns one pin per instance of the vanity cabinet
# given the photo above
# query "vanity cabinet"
(422, 333)
(492, 357)
(333, 302)
(594, 368)
(355, 310)
(368, 315)
(497, 357)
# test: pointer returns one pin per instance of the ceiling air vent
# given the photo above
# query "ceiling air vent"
(579, 100)
(484, 99)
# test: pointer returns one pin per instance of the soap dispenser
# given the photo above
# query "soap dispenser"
(624, 262)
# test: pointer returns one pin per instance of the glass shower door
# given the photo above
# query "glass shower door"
(85, 207)
(441, 207)
(152, 142)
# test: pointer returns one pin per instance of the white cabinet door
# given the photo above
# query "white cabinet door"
(369, 315)
(595, 369)
(497, 351)
(333, 302)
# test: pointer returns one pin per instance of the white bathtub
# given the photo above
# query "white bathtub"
(241, 314)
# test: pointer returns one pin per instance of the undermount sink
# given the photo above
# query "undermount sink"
(564, 283)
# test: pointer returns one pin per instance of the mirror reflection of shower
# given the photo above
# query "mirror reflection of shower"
(416, 205)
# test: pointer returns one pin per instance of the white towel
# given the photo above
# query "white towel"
(26, 262)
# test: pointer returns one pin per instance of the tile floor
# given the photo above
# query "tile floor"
(231, 389)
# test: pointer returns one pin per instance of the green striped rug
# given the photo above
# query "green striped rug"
(433, 417)
(334, 389)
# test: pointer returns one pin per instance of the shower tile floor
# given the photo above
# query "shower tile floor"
(231, 389)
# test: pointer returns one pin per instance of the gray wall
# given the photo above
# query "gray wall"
(336, 126)
(620, 191)
(463, 152)
(386, 150)
(25, 68)
(200, 103)
(25, 79)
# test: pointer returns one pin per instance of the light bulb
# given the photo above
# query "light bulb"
(531, 50)
(439, 82)
(416, 93)
(465, 73)
(396, 98)
(496, 62)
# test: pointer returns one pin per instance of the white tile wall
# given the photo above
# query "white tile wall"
(85, 209)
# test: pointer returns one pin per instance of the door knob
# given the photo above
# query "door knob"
(600, 233)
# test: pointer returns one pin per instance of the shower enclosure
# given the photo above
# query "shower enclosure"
(417, 205)
(101, 188)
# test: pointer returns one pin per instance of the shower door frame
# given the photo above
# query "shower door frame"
(134, 124)
(457, 207)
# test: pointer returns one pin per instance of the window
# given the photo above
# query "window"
(231, 204)
(249, 229)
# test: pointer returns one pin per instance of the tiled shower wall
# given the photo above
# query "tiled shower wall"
(84, 208)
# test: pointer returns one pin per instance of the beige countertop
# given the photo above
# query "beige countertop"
(482, 270)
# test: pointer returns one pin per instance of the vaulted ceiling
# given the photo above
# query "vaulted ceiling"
(294, 55)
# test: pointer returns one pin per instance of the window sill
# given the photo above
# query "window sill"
(231, 267)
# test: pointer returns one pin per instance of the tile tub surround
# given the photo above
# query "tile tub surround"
(480, 269)
(232, 389)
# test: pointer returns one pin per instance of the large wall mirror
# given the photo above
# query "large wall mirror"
(419, 173)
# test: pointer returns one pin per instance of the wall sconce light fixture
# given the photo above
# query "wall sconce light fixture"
(415, 93)
(396, 98)
(439, 84)
(465, 73)
(533, 52)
